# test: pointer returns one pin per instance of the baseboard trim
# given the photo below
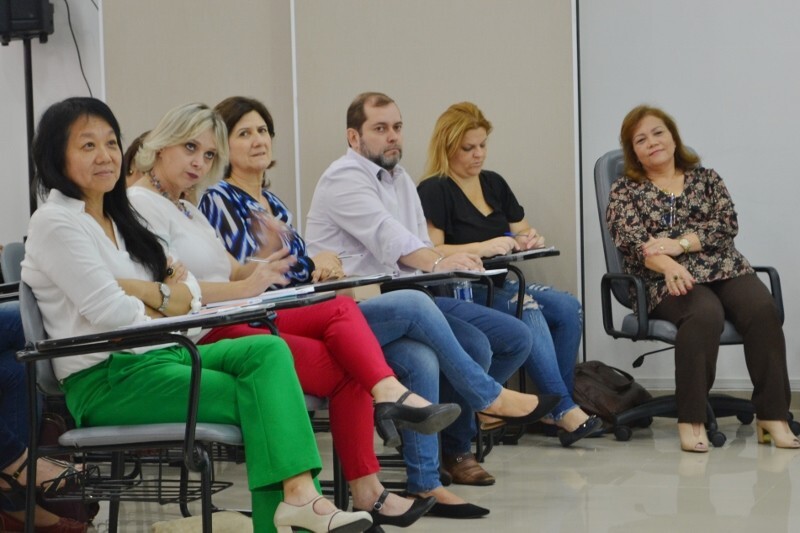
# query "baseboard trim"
(720, 384)
(741, 388)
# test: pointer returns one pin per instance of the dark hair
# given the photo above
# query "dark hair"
(49, 157)
(684, 158)
(130, 154)
(356, 115)
(233, 108)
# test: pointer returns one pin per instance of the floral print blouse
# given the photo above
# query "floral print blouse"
(637, 211)
(228, 208)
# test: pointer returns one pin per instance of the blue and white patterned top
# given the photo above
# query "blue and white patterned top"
(228, 209)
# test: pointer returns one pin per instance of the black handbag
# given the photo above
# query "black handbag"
(605, 391)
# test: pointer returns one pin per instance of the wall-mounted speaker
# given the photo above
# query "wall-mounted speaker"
(25, 19)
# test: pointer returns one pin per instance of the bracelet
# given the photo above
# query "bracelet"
(436, 263)
(163, 288)
(194, 290)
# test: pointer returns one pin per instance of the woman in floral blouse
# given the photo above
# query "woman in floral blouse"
(674, 223)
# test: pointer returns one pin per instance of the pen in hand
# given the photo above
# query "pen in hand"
(348, 256)
(258, 260)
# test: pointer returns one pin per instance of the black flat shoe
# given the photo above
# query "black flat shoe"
(592, 425)
(547, 403)
(449, 510)
(390, 417)
(458, 510)
(414, 513)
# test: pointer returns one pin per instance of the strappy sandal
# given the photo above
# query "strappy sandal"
(15, 492)
(70, 478)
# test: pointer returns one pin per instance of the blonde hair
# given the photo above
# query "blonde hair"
(448, 133)
(179, 125)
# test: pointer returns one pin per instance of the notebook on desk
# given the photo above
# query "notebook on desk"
(350, 281)
(268, 296)
(522, 255)
(232, 307)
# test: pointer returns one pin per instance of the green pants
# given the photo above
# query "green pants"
(249, 382)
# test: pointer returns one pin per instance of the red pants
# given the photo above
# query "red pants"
(336, 357)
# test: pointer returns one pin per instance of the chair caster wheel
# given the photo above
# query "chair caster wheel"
(745, 418)
(717, 438)
(623, 433)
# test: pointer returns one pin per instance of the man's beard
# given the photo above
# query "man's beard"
(381, 159)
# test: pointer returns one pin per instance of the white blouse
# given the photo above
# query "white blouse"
(72, 268)
(192, 241)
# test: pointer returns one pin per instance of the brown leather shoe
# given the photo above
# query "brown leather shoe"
(465, 470)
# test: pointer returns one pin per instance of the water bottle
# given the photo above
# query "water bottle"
(462, 290)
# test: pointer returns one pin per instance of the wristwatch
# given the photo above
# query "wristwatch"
(164, 288)
(685, 244)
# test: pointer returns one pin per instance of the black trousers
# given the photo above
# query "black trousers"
(699, 316)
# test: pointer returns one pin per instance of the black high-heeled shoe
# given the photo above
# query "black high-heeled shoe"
(592, 425)
(414, 513)
(547, 402)
(390, 417)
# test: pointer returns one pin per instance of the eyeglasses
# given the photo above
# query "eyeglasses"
(668, 219)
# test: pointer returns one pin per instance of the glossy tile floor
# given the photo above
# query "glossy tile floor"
(644, 485)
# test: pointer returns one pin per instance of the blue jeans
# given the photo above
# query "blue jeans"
(13, 399)
(419, 345)
(510, 342)
(555, 320)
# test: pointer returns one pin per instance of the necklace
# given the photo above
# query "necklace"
(182, 208)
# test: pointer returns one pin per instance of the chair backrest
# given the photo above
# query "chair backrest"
(33, 326)
(10, 261)
(607, 169)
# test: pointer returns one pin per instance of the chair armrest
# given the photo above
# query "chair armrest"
(400, 285)
(774, 287)
(641, 305)
(429, 282)
(9, 291)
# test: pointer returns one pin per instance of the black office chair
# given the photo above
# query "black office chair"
(638, 326)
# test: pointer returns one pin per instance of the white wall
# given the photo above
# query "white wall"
(726, 71)
(56, 75)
